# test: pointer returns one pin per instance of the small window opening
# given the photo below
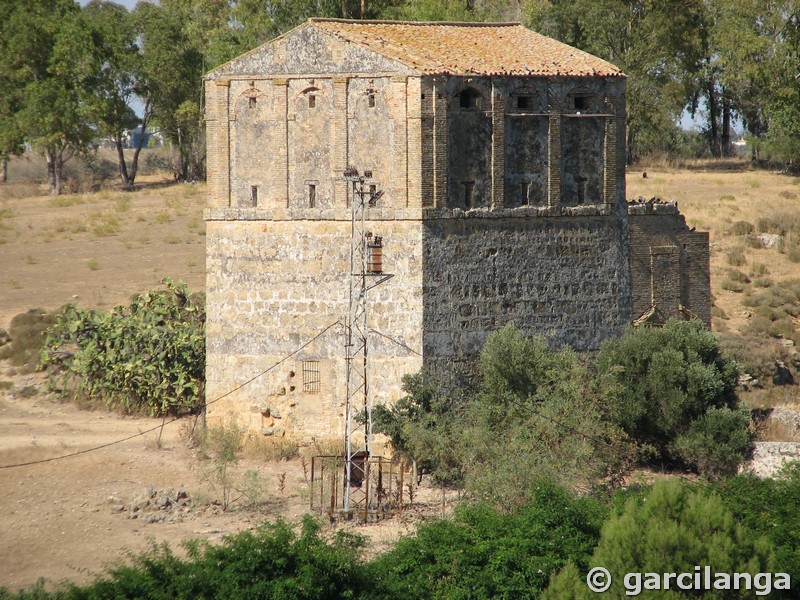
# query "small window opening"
(311, 379)
(423, 96)
(373, 190)
(469, 190)
(371, 100)
(254, 195)
(581, 102)
(252, 102)
(524, 190)
(469, 99)
(312, 101)
(312, 194)
(524, 102)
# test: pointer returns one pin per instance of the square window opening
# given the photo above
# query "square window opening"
(581, 102)
(371, 100)
(252, 102)
(524, 102)
(312, 101)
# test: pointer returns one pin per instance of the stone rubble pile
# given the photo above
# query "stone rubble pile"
(154, 506)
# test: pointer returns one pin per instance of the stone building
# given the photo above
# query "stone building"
(500, 154)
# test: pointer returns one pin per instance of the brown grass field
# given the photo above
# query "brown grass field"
(99, 248)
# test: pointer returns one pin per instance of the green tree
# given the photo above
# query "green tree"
(169, 80)
(539, 414)
(673, 529)
(114, 72)
(44, 43)
(656, 45)
(661, 381)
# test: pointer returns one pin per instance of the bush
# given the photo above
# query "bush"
(661, 380)
(716, 443)
(742, 228)
(271, 562)
(735, 257)
(769, 507)
(148, 355)
(482, 553)
(672, 530)
(27, 331)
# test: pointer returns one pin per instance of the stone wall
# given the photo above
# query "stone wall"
(274, 284)
(552, 272)
(669, 264)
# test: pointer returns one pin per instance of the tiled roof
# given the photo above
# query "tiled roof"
(469, 48)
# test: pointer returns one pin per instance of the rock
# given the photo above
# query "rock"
(5, 337)
(769, 457)
(787, 343)
(782, 376)
(748, 382)
(268, 431)
(163, 502)
(771, 240)
(260, 407)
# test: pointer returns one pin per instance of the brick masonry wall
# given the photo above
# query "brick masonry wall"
(669, 263)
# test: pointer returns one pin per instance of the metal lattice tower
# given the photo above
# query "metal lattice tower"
(365, 273)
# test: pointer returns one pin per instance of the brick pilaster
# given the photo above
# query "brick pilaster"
(397, 108)
(280, 145)
(339, 141)
(498, 147)
(218, 136)
(440, 154)
(554, 160)
(414, 141)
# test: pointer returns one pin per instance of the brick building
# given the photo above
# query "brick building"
(501, 157)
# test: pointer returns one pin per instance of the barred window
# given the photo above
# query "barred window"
(311, 376)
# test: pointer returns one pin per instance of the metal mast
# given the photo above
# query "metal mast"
(365, 273)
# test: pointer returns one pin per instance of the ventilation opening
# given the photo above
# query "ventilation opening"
(312, 101)
(254, 195)
(312, 195)
(252, 102)
(469, 99)
(525, 102)
(311, 379)
(469, 191)
(524, 190)
(371, 100)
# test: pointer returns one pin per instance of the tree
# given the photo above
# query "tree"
(114, 71)
(43, 41)
(672, 530)
(661, 381)
(654, 44)
(169, 81)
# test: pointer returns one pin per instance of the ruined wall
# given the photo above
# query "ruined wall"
(273, 285)
(669, 263)
(551, 275)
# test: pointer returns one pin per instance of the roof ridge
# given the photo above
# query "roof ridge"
(389, 22)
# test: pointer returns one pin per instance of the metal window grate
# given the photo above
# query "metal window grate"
(311, 376)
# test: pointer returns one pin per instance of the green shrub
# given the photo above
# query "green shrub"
(716, 443)
(769, 507)
(672, 530)
(148, 355)
(732, 286)
(27, 331)
(661, 380)
(735, 257)
(737, 275)
(271, 562)
(482, 553)
(742, 228)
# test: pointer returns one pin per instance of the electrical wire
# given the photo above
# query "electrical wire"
(141, 433)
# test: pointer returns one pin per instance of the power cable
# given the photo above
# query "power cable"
(141, 433)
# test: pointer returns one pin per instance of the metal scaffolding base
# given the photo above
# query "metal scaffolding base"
(374, 484)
